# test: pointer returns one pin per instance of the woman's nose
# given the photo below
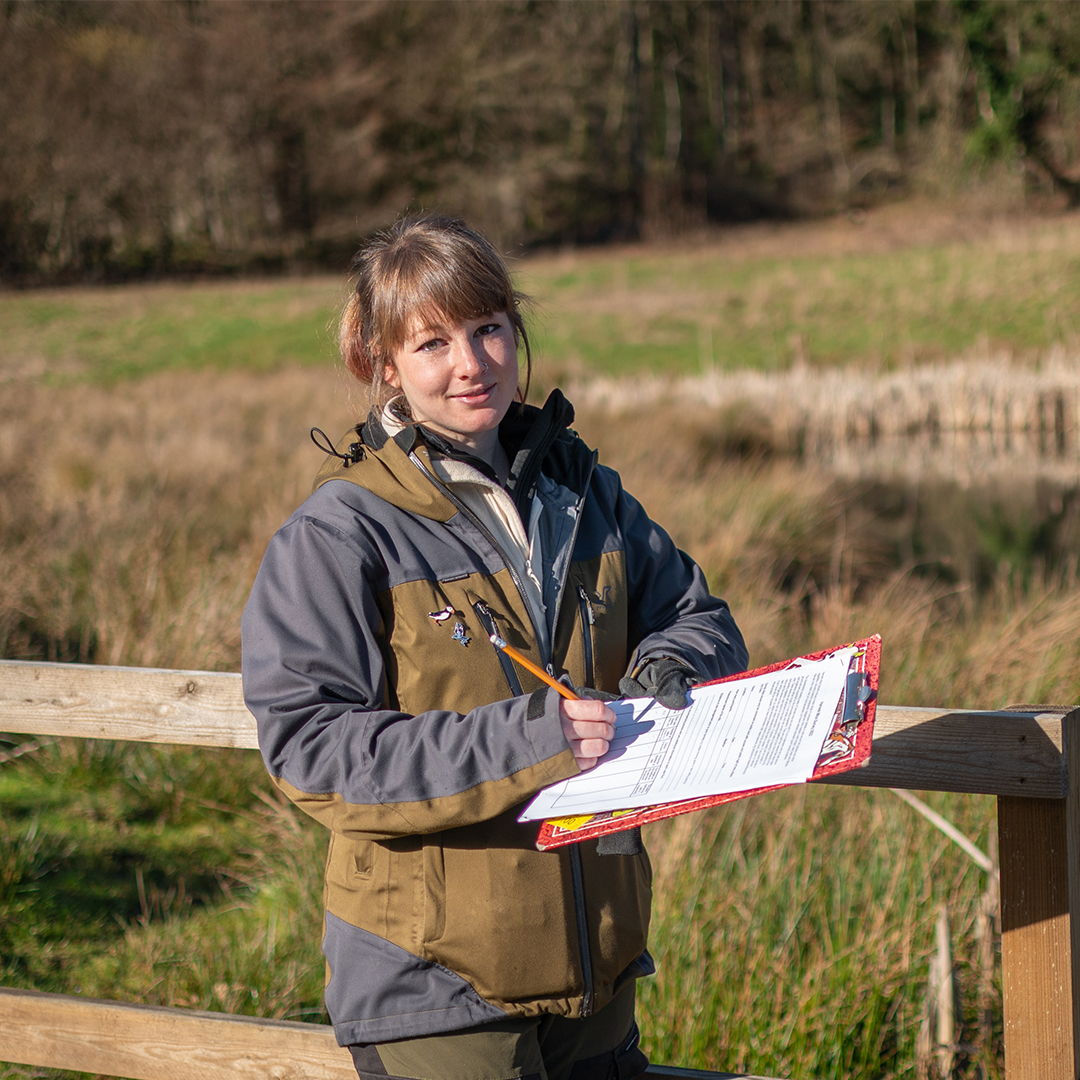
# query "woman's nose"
(469, 358)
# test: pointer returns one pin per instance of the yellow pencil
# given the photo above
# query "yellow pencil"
(528, 665)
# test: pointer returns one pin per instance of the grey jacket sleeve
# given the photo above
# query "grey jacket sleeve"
(672, 612)
(314, 679)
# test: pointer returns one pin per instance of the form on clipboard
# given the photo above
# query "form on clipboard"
(783, 724)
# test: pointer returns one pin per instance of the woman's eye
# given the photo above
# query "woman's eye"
(487, 328)
(430, 346)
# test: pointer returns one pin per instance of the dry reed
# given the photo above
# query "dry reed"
(794, 931)
(132, 519)
(963, 420)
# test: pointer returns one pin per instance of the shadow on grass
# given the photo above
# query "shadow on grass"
(91, 844)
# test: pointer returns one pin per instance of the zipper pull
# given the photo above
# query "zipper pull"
(491, 627)
(487, 620)
(588, 604)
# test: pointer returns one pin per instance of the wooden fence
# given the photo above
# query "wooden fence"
(1029, 760)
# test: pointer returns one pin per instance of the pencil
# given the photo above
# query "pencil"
(528, 665)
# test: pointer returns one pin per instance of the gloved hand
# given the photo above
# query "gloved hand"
(665, 679)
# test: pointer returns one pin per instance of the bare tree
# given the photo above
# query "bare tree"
(198, 134)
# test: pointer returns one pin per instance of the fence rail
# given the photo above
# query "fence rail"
(1029, 760)
(988, 753)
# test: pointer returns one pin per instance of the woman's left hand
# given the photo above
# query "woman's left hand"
(589, 726)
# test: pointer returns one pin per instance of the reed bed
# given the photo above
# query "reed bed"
(132, 519)
(964, 420)
(794, 931)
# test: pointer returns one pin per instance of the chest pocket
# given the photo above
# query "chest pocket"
(438, 654)
(349, 862)
(592, 641)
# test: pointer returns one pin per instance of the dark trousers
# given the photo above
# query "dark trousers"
(603, 1046)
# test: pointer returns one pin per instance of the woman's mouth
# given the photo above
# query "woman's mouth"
(474, 394)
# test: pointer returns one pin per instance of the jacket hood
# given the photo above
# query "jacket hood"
(532, 437)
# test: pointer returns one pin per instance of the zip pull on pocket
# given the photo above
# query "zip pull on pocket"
(487, 621)
(588, 619)
(586, 606)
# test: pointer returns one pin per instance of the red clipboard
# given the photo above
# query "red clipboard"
(846, 747)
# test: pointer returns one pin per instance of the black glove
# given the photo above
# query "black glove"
(665, 679)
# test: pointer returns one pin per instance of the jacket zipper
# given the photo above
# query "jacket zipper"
(573, 540)
(577, 879)
(576, 874)
(487, 621)
(588, 617)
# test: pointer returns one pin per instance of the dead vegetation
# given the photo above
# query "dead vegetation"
(133, 518)
(132, 521)
(965, 421)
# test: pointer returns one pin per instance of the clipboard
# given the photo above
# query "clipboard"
(846, 747)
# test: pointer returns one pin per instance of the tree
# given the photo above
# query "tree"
(201, 134)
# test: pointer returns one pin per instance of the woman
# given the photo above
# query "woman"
(455, 950)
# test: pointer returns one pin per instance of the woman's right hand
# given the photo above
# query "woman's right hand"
(589, 726)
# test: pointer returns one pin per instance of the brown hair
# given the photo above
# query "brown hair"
(425, 266)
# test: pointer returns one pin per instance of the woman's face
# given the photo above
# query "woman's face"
(458, 377)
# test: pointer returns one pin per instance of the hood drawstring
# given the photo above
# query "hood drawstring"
(356, 449)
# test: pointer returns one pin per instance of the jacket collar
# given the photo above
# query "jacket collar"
(531, 437)
(528, 435)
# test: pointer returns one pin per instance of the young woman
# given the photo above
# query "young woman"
(455, 950)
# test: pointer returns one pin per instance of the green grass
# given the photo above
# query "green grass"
(125, 886)
(687, 311)
(729, 303)
(792, 931)
(818, 908)
(160, 875)
(131, 331)
(97, 836)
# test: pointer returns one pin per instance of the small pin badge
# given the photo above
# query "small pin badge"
(441, 616)
(460, 635)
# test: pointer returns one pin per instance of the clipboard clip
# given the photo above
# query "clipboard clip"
(858, 693)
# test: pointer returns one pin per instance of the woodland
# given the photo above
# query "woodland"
(193, 136)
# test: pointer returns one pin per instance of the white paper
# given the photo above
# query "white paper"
(734, 736)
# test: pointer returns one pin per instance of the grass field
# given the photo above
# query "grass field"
(904, 285)
(813, 295)
(104, 335)
(793, 931)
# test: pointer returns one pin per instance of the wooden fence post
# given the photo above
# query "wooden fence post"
(1040, 926)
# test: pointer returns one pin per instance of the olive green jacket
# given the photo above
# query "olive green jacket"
(385, 712)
